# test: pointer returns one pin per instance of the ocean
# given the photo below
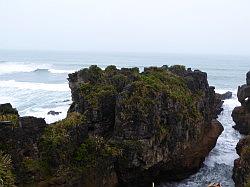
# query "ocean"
(35, 82)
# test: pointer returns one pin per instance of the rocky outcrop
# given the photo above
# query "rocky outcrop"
(53, 113)
(123, 127)
(226, 95)
(214, 185)
(19, 137)
(241, 116)
(163, 116)
(241, 169)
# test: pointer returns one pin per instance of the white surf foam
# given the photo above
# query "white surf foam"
(43, 113)
(60, 71)
(5, 99)
(15, 67)
(34, 86)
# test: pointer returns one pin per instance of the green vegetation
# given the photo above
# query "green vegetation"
(95, 94)
(68, 146)
(94, 151)
(6, 176)
(128, 148)
(245, 154)
(10, 117)
(64, 152)
(177, 69)
(147, 90)
(58, 133)
(247, 183)
(57, 146)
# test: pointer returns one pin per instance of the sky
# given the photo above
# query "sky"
(164, 26)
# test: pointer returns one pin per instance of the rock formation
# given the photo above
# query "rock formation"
(123, 127)
(241, 116)
(163, 114)
(214, 185)
(53, 113)
(227, 95)
(19, 138)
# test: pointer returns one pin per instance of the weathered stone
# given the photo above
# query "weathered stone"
(165, 142)
(7, 109)
(123, 127)
(53, 113)
(227, 95)
(241, 117)
(21, 141)
(248, 78)
(243, 94)
(241, 168)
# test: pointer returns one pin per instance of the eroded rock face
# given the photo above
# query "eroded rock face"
(226, 95)
(7, 109)
(241, 116)
(163, 116)
(244, 92)
(248, 78)
(241, 169)
(123, 127)
(19, 138)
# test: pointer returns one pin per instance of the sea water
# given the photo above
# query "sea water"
(36, 82)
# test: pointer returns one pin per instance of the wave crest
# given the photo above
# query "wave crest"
(16, 67)
(34, 86)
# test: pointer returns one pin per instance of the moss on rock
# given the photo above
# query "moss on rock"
(10, 117)
(7, 177)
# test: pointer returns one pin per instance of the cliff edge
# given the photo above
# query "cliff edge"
(124, 127)
(241, 116)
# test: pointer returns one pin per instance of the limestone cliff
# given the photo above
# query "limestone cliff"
(163, 116)
(241, 116)
(123, 127)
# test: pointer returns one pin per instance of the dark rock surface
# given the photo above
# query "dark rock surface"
(241, 116)
(248, 78)
(241, 169)
(7, 109)
(20, 140)
(227, 95)
(170, 141)
(53, 113)
(123, 127)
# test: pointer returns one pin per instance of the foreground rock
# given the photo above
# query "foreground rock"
(241, 116)
(19, 138)
(123, 127)
(163, 114)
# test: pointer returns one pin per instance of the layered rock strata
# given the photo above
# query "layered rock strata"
(241, 116)
(165, 114)
(123, 128)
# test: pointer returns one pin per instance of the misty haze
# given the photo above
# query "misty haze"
(122, 93)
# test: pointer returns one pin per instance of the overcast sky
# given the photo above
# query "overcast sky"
(166, 26)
